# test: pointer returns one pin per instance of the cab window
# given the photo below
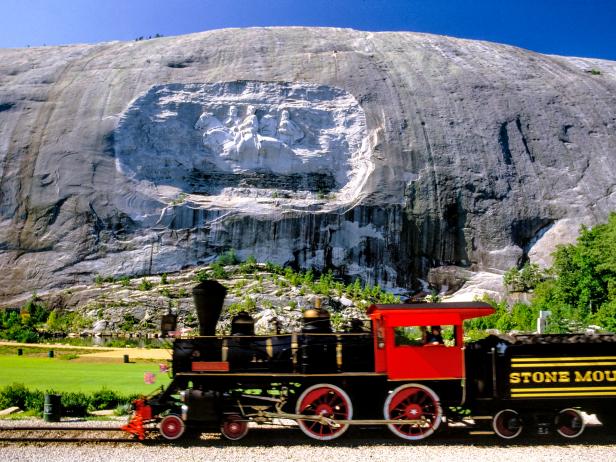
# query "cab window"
(424, 335)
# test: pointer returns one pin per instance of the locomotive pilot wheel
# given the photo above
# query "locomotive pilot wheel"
(570, 423)
(171, 427)
(413, 402)
(328, 401)
(507, 424)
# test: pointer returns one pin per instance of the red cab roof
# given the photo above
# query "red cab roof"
(431, 313)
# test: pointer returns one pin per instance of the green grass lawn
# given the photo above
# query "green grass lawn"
(71, 376)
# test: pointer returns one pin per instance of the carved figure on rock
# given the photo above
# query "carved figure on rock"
(250, 142)
(233, 118)
(247, 138)
(215, 134)
(268, 126)
(207, 121)
(288, 131)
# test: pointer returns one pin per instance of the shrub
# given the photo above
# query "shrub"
(129, 322)
(249, 266)
(218, 271)
(99, 280)
(105, 399)
(13, 395)
(25, 335)
(228, 258)
(525, 279)
(606, 316)
(122, 410)
(37, 312)
(201, 275)
(293, 277)
(18, 395)
(35, 401)
(165, 292)
(308, 277)
(324, 284)
(144, 285)
(248, 305)
(273, 268)
(14, 327)
(67, 321)
(75, 404)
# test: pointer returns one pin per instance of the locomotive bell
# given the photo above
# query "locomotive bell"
(317, 312)
(209, 297)
(317, 318)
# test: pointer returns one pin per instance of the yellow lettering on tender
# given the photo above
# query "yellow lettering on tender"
(610, 376)
(538, 377)
(598, 376)
(526, 376)
(514, 377)
(587, 377)
(551, 376)
(563, 376)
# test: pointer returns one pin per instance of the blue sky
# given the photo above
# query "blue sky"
(567, 27)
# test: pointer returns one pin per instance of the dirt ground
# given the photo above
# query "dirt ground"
(103, 352)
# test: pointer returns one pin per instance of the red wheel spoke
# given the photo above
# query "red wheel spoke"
(324, 400)
(417, 403)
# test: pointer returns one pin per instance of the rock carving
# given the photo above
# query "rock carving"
(288, 131)
(215, 134)
(251, 138)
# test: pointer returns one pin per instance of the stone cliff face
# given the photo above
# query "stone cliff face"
(380, 155)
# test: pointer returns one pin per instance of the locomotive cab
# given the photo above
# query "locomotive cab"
(402, 348)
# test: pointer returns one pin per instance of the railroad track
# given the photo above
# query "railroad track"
(69, 434)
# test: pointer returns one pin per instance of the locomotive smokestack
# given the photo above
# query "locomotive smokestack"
(209, 297)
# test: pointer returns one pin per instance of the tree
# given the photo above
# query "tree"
(583, 289)
(524, 280)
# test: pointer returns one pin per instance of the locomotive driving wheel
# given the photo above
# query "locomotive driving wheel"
(328, 401)
(570, 423)
(507, 424)
(171, 427)
(417, 403)
(234, 427)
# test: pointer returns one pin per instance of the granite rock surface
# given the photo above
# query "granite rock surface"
(379, 155)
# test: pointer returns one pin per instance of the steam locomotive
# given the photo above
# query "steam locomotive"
(389, 374)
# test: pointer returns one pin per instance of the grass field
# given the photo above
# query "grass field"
(82, 375)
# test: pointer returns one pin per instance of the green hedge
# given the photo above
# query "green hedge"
(74, 404)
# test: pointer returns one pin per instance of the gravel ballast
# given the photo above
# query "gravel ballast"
(273, 445)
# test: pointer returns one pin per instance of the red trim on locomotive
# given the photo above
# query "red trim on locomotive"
(426, 362)
(203, 366)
